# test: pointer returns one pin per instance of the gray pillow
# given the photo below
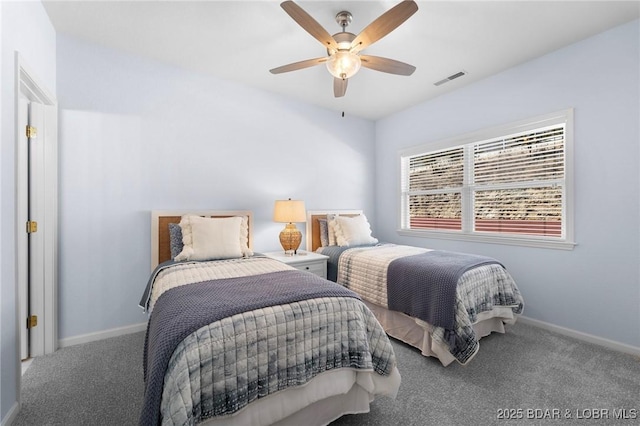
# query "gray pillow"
(324, 232)
(175, 239)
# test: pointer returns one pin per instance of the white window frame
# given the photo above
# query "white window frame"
(466, 234)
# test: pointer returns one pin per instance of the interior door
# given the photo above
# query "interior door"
(36, 187)
(22, 213)
(37, 201)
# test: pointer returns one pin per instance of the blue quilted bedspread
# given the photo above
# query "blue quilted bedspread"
(424, 285)
(183, 310)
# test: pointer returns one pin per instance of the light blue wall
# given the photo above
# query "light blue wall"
(24, 27)
(136, 135)
(595, 288)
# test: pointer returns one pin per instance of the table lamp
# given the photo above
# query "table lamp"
(289, 212)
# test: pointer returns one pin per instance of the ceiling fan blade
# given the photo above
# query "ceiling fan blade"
(309, 24)
(339, 87)
(387, 22)
(298, 65)
(386, 65)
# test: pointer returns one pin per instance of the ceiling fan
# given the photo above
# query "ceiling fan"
(343, 58)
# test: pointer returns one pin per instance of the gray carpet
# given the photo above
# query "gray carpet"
(528, 368)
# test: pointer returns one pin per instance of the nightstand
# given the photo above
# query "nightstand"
(315, 263)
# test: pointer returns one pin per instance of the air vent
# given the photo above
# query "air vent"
(451, 77)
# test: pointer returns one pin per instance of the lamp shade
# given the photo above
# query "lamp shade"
(289, 211)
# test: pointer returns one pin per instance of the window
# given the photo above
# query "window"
(510, 184)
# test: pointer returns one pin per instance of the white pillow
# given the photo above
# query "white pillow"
(210, 238)
(331, 229)
(353, 231)
(244, 237)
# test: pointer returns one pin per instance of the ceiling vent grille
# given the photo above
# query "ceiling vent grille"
(451, 77)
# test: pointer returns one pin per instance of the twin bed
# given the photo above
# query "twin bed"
(237, 338)
(484, 295)
(249, 340)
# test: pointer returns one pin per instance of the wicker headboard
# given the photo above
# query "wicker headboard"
(160, 220)
(313, 228)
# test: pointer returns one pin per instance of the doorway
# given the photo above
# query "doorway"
(36, 214)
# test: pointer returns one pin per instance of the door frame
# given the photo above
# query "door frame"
(28, 86)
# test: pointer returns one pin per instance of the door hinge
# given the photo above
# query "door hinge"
(32, 226)
(32, 321)
(32, 132)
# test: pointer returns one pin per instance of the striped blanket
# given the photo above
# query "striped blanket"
(365, 271)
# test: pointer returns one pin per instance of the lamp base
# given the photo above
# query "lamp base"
(290, 239)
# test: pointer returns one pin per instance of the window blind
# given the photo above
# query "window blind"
(433, 186)
(518, 183)
(512, 185)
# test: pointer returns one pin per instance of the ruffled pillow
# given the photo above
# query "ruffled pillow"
(331, 229)
(353, 231)
(211, 238)
(244, 237)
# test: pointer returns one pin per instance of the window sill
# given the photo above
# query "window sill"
(492, 239)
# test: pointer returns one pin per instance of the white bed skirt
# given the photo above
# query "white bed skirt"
(417, 333)
(327, 397)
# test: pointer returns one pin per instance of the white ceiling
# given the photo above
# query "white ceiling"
(242, 40)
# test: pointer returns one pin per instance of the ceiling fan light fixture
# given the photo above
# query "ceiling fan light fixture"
(343, 64)
(343, 59)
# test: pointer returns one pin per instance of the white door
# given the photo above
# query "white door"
(22, 213)
(36, 201)
(35, 239)
(36, 191)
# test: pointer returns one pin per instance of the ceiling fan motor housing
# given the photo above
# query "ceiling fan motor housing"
(344, 40)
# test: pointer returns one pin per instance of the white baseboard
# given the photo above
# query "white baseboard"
(11, 415)
(99, 335)
(611, 344)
